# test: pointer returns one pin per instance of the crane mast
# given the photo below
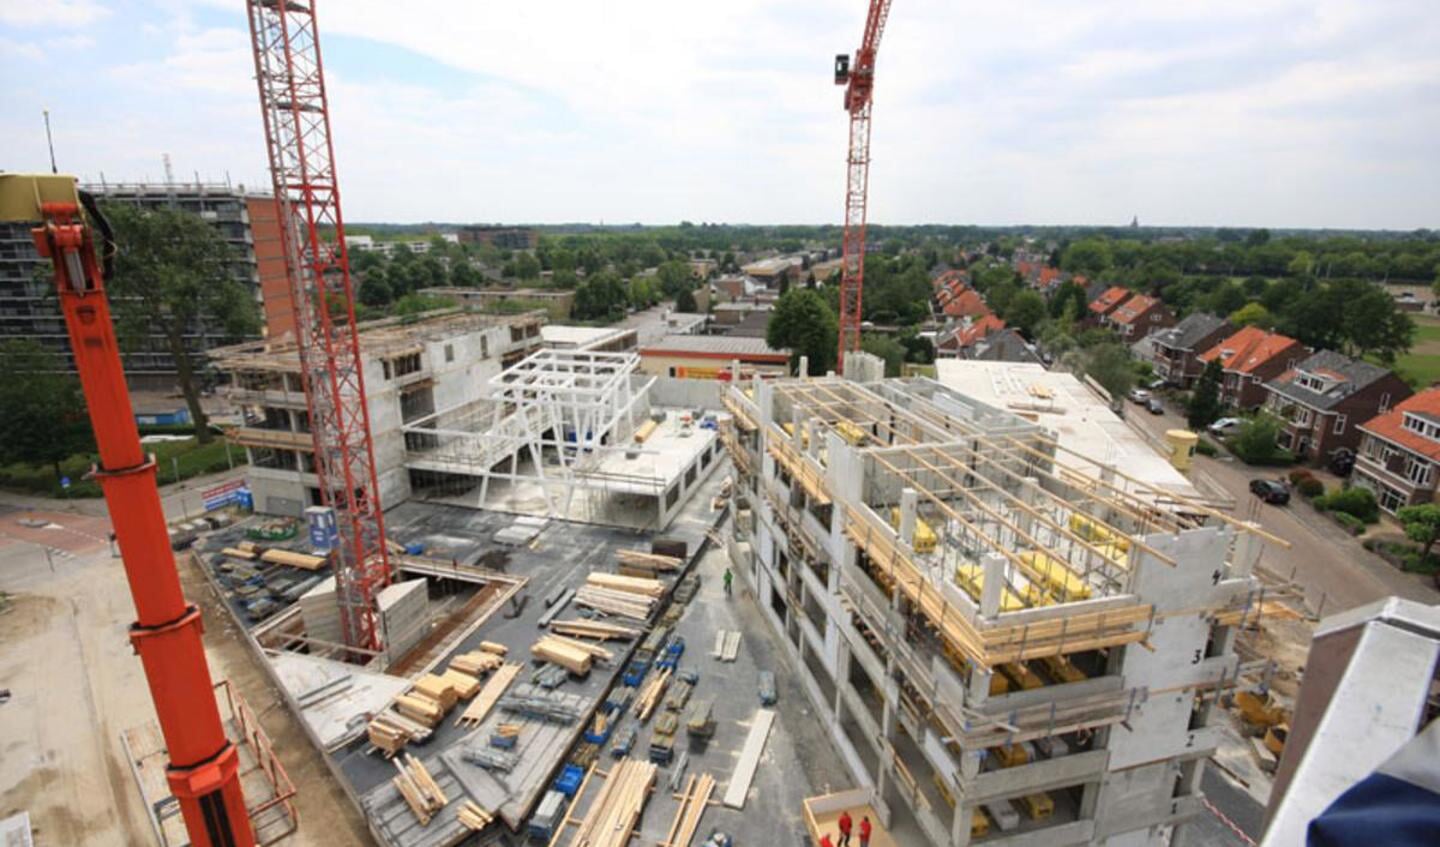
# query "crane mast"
(859, 82)
(293, 104)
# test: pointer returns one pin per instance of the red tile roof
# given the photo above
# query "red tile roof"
(1133, 308)
(1106, 303)
(968, 303)
(1391, 425)
(1250, 348)
(978, 330)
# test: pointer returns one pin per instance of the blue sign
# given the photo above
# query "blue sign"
(223, 495)
(64, 482)
(324, 532)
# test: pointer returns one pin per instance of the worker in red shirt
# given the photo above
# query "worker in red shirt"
(845, 824)
(865, 831)
(825, 841)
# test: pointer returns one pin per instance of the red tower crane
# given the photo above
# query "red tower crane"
(291, 79)
(204, 769)
(859, 82)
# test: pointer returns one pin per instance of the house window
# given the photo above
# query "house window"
(1418, 472)
(449, 353)
(1340, 425)
(1390, 499)
(1384, 402)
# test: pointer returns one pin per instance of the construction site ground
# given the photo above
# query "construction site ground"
(76, 686)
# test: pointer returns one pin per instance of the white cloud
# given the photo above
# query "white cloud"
(51, 13)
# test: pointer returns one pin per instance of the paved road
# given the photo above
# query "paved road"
(1335, 571)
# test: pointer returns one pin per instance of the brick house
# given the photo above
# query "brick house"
(1108, 301)
(1399, 452)
(1175, 351)
(953, 342)
(1138, 316)
(1250, 358)
(1324, 399)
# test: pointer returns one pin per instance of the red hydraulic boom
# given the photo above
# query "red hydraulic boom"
(859, 82)
(302, 164)
(204, 765)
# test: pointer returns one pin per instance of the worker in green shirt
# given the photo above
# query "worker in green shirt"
(729, 578)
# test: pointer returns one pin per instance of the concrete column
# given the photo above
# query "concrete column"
(808, 428)
(804, 367)
(994, 565)
(1028, 496)
(734, 371)
(960, 825)
(1246, 553)
(909, 503)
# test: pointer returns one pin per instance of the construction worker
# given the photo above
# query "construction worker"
(865, 831)
(825, 840)
(845, 823)
(729, 578)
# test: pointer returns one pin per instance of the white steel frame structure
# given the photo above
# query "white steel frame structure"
(548, 419)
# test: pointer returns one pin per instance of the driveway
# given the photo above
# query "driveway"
(1332, 568)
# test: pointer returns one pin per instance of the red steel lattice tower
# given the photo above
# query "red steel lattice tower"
(293, 104)
(859, 82)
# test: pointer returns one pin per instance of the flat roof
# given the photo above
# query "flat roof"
(1081, 420)
(712, 344)
(562, 334)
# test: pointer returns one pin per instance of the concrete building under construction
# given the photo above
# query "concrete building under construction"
(1008, 641)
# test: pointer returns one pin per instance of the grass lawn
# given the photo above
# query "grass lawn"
(1422, 364)
(187, 457)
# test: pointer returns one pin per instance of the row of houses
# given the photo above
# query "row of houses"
(973, 331)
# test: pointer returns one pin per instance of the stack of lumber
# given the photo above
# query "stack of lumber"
(474, 818)
(596, 650)
(464, 685)
(290, 558)
(639, 563)
(391, 731)
(595, 629)
(489, 695)
(476, 663)
(493, 647)
(727, 645)
(649, 695)
(241, 552)
(611, 818)
(419, 790)
(627, 596)
(437, 688)
(693, 801)
(419, 708)
(568, 656)
(629, 584)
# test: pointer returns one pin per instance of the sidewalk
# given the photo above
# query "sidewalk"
(179, 499)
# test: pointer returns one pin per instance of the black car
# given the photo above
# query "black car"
(1271, 491)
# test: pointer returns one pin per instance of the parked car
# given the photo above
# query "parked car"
(1139, 395)
(1271, 491)
(1225, 426)
(1155, 406)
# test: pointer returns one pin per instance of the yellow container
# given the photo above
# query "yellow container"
(979, 824)
(1055, 575)
(972, 579)
(851, 433)
(1038, 806)
(925, 538)
(1097, 534)
(1021, 676)
(1182, 448)
(1011, 755)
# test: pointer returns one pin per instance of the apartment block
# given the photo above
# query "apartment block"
(1007, 640)
(412, 370)
(247, 223)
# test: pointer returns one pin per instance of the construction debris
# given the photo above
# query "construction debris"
(473, 817)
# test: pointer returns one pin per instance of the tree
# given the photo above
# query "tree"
(1252, 314)
(803, 323)
(173, 278)
(1025, 311)
(1422, 526)
(1090, 256)
(463, 274)
(1110, 365)
(1228, 298)
(674, 277)
(1205, 406)
(44, 419)
(1255, 442)
(414, 304)
(600, 297)
(375, 288)
(685, 301)
(888, 349)
(1066, 294)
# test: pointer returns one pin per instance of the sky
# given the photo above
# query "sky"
(1280, 113)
